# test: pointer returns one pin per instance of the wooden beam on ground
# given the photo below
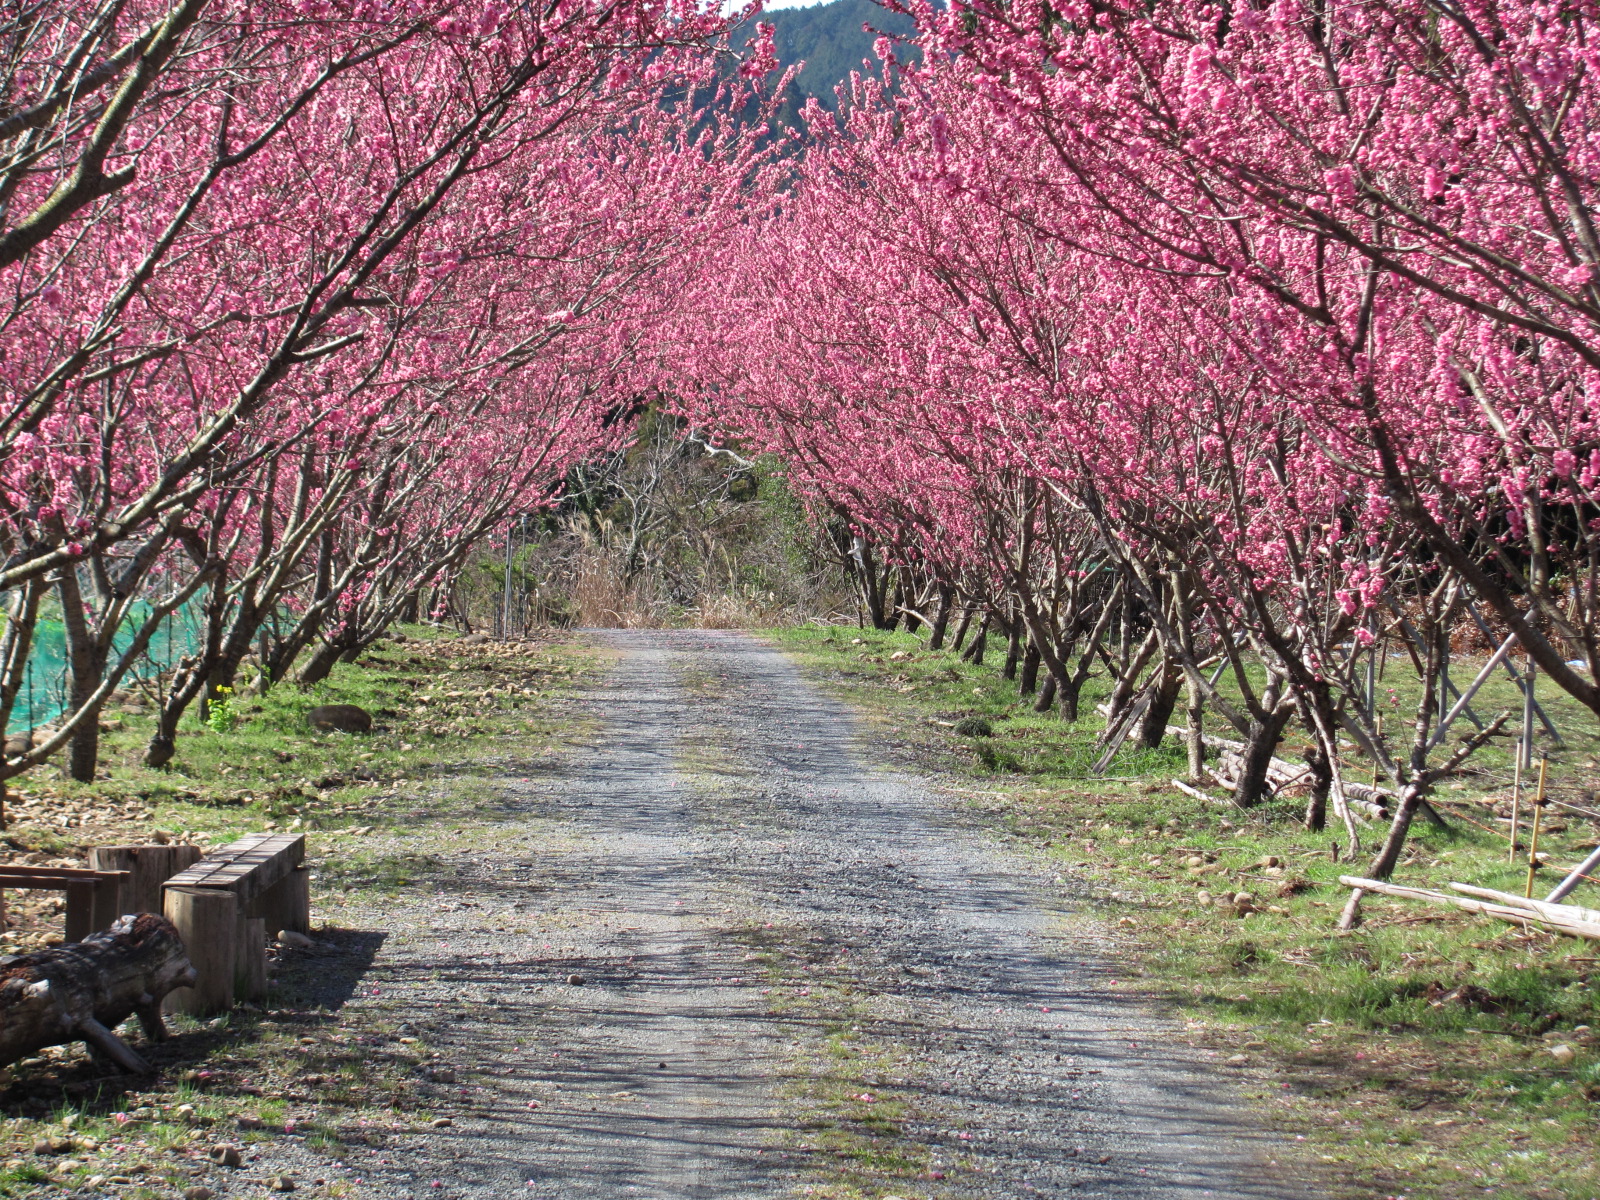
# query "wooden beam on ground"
(1572, 927)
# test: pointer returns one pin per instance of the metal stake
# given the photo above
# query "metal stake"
(1516, 803)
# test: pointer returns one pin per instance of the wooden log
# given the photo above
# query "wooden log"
(1503, 912)
(1199, 795)
(207, 919)
(84, 990)
(1560, 912)
(148, 867)
(287, 904)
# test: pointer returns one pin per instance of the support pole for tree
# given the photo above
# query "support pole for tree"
(1516, 800)
(1538, 818)
(505, 615)
(1578, 874)
(1528, 705)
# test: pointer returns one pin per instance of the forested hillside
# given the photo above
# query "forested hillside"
(832, 40)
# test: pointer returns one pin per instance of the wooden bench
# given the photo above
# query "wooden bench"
(95, 899)
(226, 906)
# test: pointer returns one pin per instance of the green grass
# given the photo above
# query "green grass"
(1412, 1054)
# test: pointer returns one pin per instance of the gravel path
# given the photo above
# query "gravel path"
(770, 943)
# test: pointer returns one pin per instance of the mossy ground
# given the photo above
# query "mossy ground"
(1412, 1055)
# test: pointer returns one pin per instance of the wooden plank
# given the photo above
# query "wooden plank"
(48, 877)
(247, 867)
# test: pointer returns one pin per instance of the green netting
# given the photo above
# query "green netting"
(46, 684)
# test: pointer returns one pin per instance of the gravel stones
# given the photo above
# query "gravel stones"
(227, 1156)
(745, 883)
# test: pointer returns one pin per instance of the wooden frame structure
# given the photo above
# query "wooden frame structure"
(95, 899)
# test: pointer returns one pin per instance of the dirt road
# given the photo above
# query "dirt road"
(790, 969)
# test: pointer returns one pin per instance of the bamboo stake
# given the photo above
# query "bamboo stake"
(1538, 817)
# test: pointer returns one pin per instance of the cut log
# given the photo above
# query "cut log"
(1517, 915)
(1203, 797)
(148, 868)
(84, 990)
(226, 904)
(1281, 774)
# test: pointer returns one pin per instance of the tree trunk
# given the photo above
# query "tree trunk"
(1251, 786)
(961, 627)
(86, 662)
(1047, 695)
(321, 663)
(980, 643)
(1195, 736)
(1013, 649)
(872, 586)
(941, 617)
(1028, 682)
(1068, 695)
(86, 989)
(1389, 855)
(1153, 725)
(909, 594)
(1321, 783)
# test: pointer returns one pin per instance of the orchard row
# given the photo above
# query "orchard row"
(1226, 347)
(304, 298)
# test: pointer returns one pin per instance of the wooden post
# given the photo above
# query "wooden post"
(250, 960)
(207, 920)
(110, 899)
(149, 866)
(287, 904)
(80, 910)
